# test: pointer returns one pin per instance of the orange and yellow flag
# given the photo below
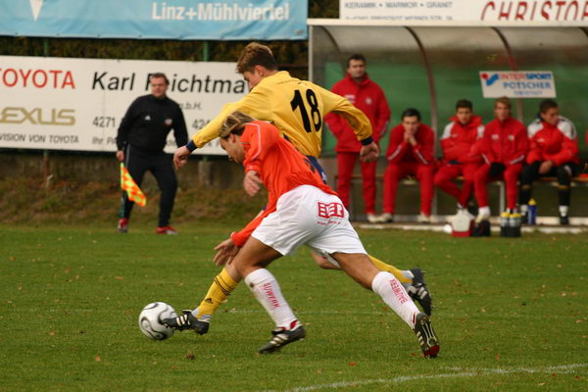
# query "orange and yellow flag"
(128, 184)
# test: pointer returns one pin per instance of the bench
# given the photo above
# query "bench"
(581, 180)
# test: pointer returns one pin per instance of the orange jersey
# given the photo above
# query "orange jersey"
(280, 166)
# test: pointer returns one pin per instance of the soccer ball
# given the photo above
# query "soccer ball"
(151, 320)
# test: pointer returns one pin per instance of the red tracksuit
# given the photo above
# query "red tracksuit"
(457, 143)
(557, 143)
(370, 99)
(405, 159)
(504, 142)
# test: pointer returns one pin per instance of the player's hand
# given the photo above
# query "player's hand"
(120, 155)
(181, 156)
(252, 183)
(369, 152)
(545, 167)
(225, 251)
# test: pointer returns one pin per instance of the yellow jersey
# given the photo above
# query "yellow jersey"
(296, 107)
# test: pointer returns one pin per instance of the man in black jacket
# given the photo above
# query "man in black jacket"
(140, 142)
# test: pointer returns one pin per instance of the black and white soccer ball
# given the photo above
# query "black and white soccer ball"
(151, 320)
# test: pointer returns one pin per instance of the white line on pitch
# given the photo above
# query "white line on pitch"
(469, 373)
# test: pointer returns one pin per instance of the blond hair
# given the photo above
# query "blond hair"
(256, 54)
(234, 123)
(503, 100)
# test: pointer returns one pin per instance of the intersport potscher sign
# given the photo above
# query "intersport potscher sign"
(78, 104)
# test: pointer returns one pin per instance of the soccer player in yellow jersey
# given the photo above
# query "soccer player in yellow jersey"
(296, 107)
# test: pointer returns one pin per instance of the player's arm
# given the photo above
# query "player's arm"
(423, 151)
(253, 104)
(382, 115)
(569, 148)
(448, 144)
(535, 151)
(357, 120)
(239, 238)
(122, 136)
(474, 155)
(521, 144)
(335, 123)
(398, 146)
(180, 131)
(484, 146)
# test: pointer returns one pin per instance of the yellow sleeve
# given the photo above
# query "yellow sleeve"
(356, 118)
(253, 104)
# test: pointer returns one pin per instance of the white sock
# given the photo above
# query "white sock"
(484, 212)
(395, 296)
(267, 291)
(563, 210)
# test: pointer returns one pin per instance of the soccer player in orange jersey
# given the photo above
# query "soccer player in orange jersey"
(301, 210)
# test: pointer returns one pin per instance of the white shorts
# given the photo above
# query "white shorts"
(308, 216)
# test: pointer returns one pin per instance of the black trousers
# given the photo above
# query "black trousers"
(161, 166)
(564, 174)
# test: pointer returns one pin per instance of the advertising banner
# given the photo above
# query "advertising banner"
(517, 84)
(159, 19)
(560, 12)
(78, 104)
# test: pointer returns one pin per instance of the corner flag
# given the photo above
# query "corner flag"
(128, 184)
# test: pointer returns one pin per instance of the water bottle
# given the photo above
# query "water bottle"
(514, 225)
(532, 212)
(504, 221)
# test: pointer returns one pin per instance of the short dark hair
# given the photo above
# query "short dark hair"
(547, 104)
(357, 57)
(411, 112)
(464, 103)
(159, 75)
(256, 54)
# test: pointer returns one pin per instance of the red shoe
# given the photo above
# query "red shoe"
(165, 230)
(123, 225)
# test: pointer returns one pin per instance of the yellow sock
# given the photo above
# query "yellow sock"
(222, 286)
(390, 268)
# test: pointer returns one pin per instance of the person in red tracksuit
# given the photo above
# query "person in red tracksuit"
(367, 96)
(553, 152)
(457, 142)
(503, 147)
(410, 152)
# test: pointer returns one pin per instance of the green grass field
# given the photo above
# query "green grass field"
(512, 314)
